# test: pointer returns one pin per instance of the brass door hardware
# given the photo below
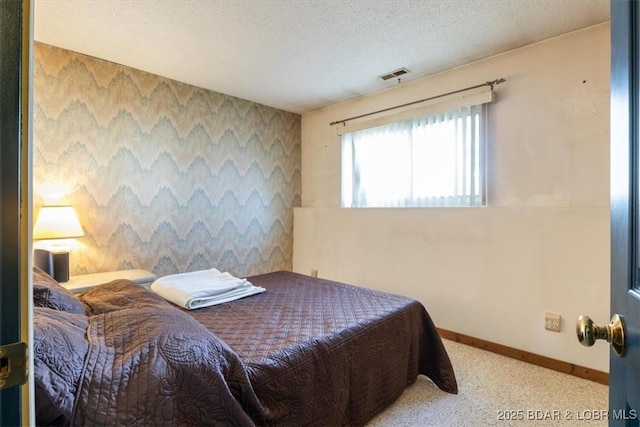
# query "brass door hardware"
(588, 333)
(14, 369)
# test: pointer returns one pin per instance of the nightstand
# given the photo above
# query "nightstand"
(83, 282)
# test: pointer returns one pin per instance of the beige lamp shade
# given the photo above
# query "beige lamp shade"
(57, 222)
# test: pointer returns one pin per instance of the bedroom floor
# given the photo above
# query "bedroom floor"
(493, 389)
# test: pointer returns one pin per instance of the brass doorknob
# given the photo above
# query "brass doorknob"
(588, 333)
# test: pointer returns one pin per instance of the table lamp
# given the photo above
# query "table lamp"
(56, 223)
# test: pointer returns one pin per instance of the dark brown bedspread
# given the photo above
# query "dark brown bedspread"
(150, 364)
(319, 352)
(305, 352)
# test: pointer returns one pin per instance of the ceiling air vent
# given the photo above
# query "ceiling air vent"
(395, 74)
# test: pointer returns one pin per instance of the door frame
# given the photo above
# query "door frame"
(16, 16)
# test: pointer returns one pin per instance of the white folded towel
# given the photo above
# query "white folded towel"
(203, 288)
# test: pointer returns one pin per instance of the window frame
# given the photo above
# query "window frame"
(479, 98)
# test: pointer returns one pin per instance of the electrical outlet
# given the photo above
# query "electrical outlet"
(314, 272)
(552, 322)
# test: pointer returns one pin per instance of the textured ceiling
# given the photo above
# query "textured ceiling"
(301, 55)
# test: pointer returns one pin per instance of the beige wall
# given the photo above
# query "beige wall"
(165, 176)
(541, 245)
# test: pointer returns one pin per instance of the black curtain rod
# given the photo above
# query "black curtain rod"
(492, 83)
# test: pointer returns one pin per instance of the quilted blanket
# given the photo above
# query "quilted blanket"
(150, 364)
(305, 352)
(321, 353)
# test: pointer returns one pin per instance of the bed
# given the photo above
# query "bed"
(307, 351)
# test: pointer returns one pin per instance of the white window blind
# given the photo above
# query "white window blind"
(433, 160)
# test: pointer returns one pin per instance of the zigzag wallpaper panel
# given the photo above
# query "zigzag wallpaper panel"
(165, 176)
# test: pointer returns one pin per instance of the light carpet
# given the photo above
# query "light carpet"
(496, 390)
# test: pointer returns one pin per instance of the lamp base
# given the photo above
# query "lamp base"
(54, 263)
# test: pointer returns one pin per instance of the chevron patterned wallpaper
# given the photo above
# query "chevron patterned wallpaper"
(165, 176)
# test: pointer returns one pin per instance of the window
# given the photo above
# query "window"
(433, 160)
